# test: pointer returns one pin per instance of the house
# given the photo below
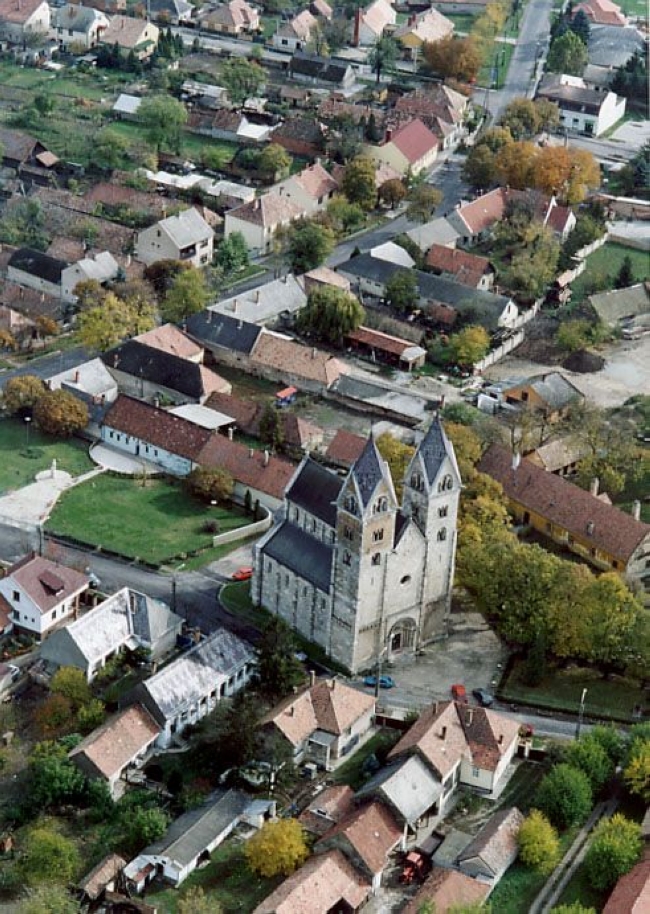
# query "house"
(328, 808)
(344, 449)
(460, 745)
(370, 23)
(382, 347)
(447, 889)
(560, 455)
(259, 220)
(168, 338)
(125, 621)
(627, 309)
(149, 373)
(92, 383)
(137, 35)
(429, 26)
(321, 8)
(410, 149)
(22, 21)
(550, 395)
(582, 110)
(495, 847)
(188, 689)
(78, 26)
(227, 338)
(236, 17)
(325, 276)
(311, 189)
(604, 536)
(393, 253)
(461, 266)
(279, 358)
(327, 882)
(171, 12)
(601, 12)
(323, 723)
(352, 568)
(438, 231)
(441, 108)
(29, 304)
(18, 148)
(295, 34)
(191, 838)
(118, 746)
(631, 894)
(101, 878)
(246, 415)
(312, 69)
(40, 594)
(474, 221)
(301, 136)
(101, 267)
(409, 789)
(186, 236)
(367, 837)
(36, 270)
(612, 46)
(154, 435)
(280, 299)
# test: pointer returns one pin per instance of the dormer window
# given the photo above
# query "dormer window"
(350, 504)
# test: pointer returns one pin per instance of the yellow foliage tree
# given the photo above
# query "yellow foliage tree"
(398, 456)
(278, 848)
(539, 846)
(637, 773)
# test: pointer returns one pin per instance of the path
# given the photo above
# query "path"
(31, 506)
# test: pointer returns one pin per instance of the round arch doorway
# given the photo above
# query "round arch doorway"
(402, 637)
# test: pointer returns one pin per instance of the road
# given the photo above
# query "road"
(48, 365)
(603, 150)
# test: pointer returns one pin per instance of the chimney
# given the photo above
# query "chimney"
(285, 278)
(76, 376)
(291, 710)
(230, 433)
(312, 678)
(500, 740)
(256, 203)
(234, 306)
(257, 296)
(412, 20)
(590, 528)
(443, 733)
(313, 352)
(332, 684)
(636, 509)
(594, 486)
(251, 453)
(389, 135)
(469, 716)
(266, 458)
(357, 27)
(516, 459)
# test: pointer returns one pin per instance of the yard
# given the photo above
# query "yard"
(352, 772)
(21, 460)
(496, 66)
(638, 8)
(154, 523)
(603, 266)
(193, 146)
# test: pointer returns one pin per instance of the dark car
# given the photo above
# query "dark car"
(385, 682)
(483, 697)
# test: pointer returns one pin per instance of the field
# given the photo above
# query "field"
(604, 264)
(635, 8)
(154, 523)
(193, 145)
(19, 463)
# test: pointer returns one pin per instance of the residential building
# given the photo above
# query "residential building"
(328, 807)
(461, 266)
(560, 455)
(188, 689)
(137, 35)
(246, 416)
(354, 570)
(626, 309)
(582, 110)
(551, 395)
(495, 847)
(101, 878)
(601, 534)
(36, 270)
(78, 26)
(409, 789)
(171, 12)
(312, 69)
(327, 882)
(382, 347)
(101, 267)
(612, 46)
(259, 220)
(323, 723)
(150, 373)
(301, 136)
(125, 621)
(236, 17)
(186, 237)
(429, 26)
(325, 276)
(438, 231)
(410, 149)
(311, 189)
(344, 449)
(393, 253)
(24, 20)
(441, 108)
(294, 35)
(227, 339)
(446, 889)
(601, 12)
(40, 595)
(370, 23)
(119, 746)
(168, 338)
(278, 300)
(321, 8)
(91, 382)
(475, 221)
(18, 148)
(279, 358)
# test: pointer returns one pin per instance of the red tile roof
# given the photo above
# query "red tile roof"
(247, 466)
(327, 809)
(383, 341)
(158, 427)
(111, 747)
(327, 882)
(631, 893)
(414, 140)
(448, 889)
(466, 268)
(345, 447)
(371, 831)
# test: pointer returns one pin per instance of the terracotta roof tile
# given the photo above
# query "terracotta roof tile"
(169, 338)
(300, 361)
(98, 878)
(246, 466)
(327, 809)
(371, 831)
(383, 341)
(316, 181)
(414, 140)
(113, 745)
(463, 266)
(345, 447)
(448, 889)
(378, 15)
(157, 427)
(269, 210)
(18, 11)
(631, 893)
(327, 882)
(328, 705)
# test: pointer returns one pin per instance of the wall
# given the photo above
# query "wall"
(231, 536)
(33, 282)
(492, 357)
(253, 234)
(173, 463)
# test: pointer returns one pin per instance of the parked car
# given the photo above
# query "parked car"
(458, 692)
(385, 682)
(243, 574)
(483, 697)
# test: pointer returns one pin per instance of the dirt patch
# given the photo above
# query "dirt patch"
(584, 362)
(539, 342)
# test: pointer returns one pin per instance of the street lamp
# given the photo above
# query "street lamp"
(581, 712)
(28, 419)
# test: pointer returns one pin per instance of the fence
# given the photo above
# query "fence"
(242, 533)
(590, 248)
(507, 346)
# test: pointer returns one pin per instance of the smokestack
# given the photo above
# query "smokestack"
(76, 377)
(594, 486)
(516, 459)
(357, 28)
(443, 733)
(257, 297)
(636, 509)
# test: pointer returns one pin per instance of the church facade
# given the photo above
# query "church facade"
(351, 568)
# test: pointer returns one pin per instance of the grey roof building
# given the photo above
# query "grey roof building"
(265, 304)
(227, 337)
(408, 787)
(622, 306)
(495, 847)
(612, 46)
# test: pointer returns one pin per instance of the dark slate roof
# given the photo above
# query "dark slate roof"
(318, 67)
(367, 470)
(212, 328)
(304, 554)
(158, 367)
(316, 489)
(38, 264)
(434, 448)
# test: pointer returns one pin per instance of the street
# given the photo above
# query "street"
(48, 365)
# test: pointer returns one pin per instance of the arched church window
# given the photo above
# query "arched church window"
(406, 579)
(380, 505)
(416, 481)
(442, 512)
(347, 558)
(442, 534)
(376, 559)
(446, 483)
(378, 535)
(350, 504)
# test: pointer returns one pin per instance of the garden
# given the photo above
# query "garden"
(603, 265)
(26, 451)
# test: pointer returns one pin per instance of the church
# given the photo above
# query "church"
(353, 570)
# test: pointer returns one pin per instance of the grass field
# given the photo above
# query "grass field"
(634, 8)
(605, 264)
(154, 523)
(463, 22)
(351, 772)
(193, 145)
(20, 464)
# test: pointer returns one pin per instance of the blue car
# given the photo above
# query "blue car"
(385, 682)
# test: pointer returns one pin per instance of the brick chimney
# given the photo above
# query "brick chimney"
(636, 509)
(594, 485)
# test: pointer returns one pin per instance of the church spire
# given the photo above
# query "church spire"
(369, 470)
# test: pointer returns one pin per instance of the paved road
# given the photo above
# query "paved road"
(47, 365)
(604, 150)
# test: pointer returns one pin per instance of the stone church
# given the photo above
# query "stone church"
(351, 569)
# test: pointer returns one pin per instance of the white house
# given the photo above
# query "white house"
(295, 34)
(79, 26)
(130, 34)
(369, 23)
(582, 110)
(409, 150)
(40, 594)
(186, 237)
(259, 220)
(311, 189)
(21, 20)
(36, 270)
(267, 303)
(102, 267)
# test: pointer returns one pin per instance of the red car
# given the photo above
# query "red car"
(459, 692)
(243, 574)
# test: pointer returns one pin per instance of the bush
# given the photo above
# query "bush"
(565, 796)
(615, 848)
(539, 846)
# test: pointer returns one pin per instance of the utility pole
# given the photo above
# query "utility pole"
(581, 712)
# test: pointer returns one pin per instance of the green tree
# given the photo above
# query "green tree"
(423, 202)
(521, 118)
(625, 276)
(581, 26)
(271, 431)
(51, 899)
(72, 684)
(589, 756)
(91, 715)
(480, 167)
(110, 148)
(278, 671)
(23, 223)
(383, 55)
(575, 908)
(60, 413)
(567, 54)
(278, 848)
(358, 183)
(274, 160)
(195, 901)
(533, 267)
(637, 771)
(142, 827)
(401, 290)
(49, 858)
(344, 216)
(52, 778)
(111, 321)
(573, 335)
(392, 192)
(242, 78)
(211, 484)
(469, 345)
(330, 314)
(163, 119)
(310, 244)
(615, 848)
(21, 394)
(188, 295)
(232, 254)
(565, 796)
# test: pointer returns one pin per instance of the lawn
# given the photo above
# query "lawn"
(580, 889)
(634, 8)
(463, 22)
(502, 53)
(227, 881)
(155, 523)
(611, 699)
(604, 264)
(193, 145)
(19, 463)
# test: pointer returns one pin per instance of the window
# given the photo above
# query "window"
(416, 481)
(442, 512)
(524, 395)
(350, 504)
(378, 535)
(475, 772)
(347, 558)
(442, 535)
(376, 559)
(446, 483)
(406, 579)
(380, 505)
(16, 596)
(296, 514)
(347, 533)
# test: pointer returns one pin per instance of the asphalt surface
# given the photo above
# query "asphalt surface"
(48, 365)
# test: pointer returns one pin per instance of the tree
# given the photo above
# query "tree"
(358, 183)
(548, 114)
(310, 244)
(278, 671)
(49, 858)
(383, 55)
(142, 827)
(615, 848)
(7, 340)
(534, 265)
(188, 295)
(581, 27)
(23, 223)
(480, 167)
(521, 118)
(46, 326)
(21, 394)
(402, 290)
(330, 314)
(567, 54)
(469, 345)
(110, 148)
(211, 484)
(565, 796)
(72, 684)
(574, 908)
(343, 215)
(392, 192)
(52, 778)
(398, 456)
(242, 78)
(111, 321)
(589, 756)
(539, 846)
(91, 715)
(232, 254)
(274, 159)
(195, 901)
(637, 772)
(163, 119)
(60, 413)
(516, 164)
(423, 202)
(458, 58)
(278, 848)
(271, 431)
(625, 276)
(51, 899)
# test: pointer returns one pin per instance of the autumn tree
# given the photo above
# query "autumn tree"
(615, 848)
(565, 796)
(423, 202)
(162, 273)
(516, 164)
(398, 456)
(637, 771)
(72, 684)
(469, 345)
(7, 340)
(49, 858)
(534, 265)
(187, 295)
(567, 54)
(358, 183)
(278, 848)
(211, 484)
(330, 314)
(458, 58)
(573, 335)
(163, 119)
(401, 291)
(520, 117)
(21, 394)
(392, 192)
(309, 245)
(539, 846)
(274, 160)
(105, 325)
(60, 413)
